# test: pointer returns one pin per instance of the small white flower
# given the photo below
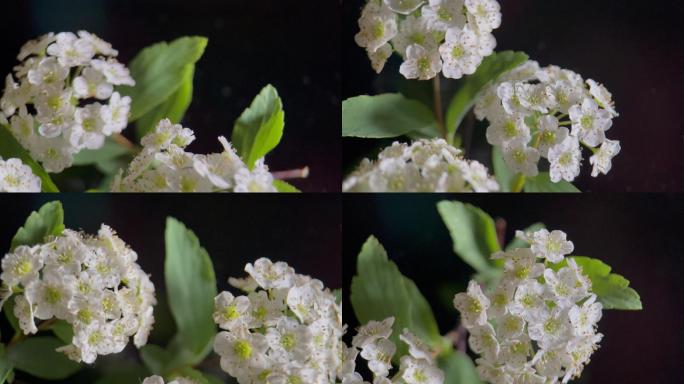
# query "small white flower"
(589, 123)
(70, 50)
(414, 30)
(17, 177)
(602, 96)
(602, 159)
(460, 53)
(550, 134)
(379, 355)
(444, 14)
(483, 341)
(565, 160)
(486, 13)
(372, 331)
(472, 305)
(420, 63)
(379, 57)
(419, 371)
(507, 129)
(92, 83)
(585, 317)
(378, 25)
(115, 72)
(231, 312)
(521, 159)
(552, 246)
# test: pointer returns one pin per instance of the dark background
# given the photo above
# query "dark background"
(293, 45)
(640, 236)
(633, 47)
(305, 233)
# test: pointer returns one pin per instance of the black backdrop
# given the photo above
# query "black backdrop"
(640, 236)
(292, 44)
(632, 46)
(303, 232)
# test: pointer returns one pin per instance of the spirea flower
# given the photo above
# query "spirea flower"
(539, 325)
(164, 165)
(549, 113)
(160, 380)
(423, 166)
(91, 282)
(287, 329)
(61, 99)
(447, 36)
(15, 176)
(373, 345)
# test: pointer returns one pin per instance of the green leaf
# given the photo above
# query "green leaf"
(123, 374)
(191, 288)
(159, 71)
(63, 330)
(111, 150)
(156, 358)
(470, 87)
(542, 183)
(458, 368)
(379, 291)
(10, 148)
(48, 221)
(260, 127)
(473, 233)
(8, 308)
(5, 365)
(386, 115)
(173, 108)
(611, 289)
(518, 243)
(196, 376)
(501, 172)
(37, 356)
(284, 187)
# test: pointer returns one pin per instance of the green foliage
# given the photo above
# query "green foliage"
(260, 127)
(10, 148)
(156, 358)
(379, 290)
(472, 231)
(502, 174)
(107, 159)
(37, 356)
(5, 365)
(387, 115)
(48, 221)
(458, 368)
(470, 87)
(8, 308)
(159, 71)
(196, 376)
(285, 187)
(173, 108)
(63, 330)
(191, 288)
(518, 243)
(611, 289)
(543, 183)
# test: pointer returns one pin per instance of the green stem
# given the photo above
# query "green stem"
(518, 184)
(437, 99)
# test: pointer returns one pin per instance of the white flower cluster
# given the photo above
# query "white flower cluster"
(549, 112)
(539, 324)
(451, 36)
(372, 339)
(160, 380)
(17, 177)
(52, 110)
(163, 165)
(423, 166)
(288, 328)
(91, 282)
